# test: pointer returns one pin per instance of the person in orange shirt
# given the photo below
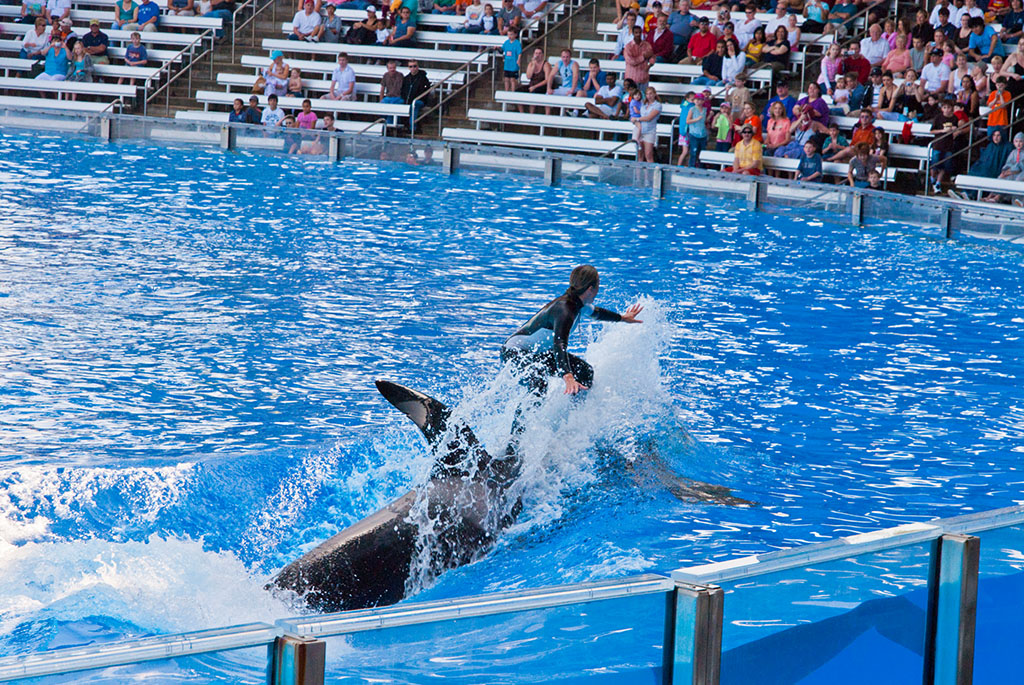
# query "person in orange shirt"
(999, 114)
(748, 118)
(863, 132)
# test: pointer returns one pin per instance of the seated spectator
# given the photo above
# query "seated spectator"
(835, 142)
(874, 48)
(860, 165)
(918, 55)
(935, 75)
(793, 32)
(276, 75)
(863, 132)
(566, 73)
(474, 22)
(218, 9)
(874, 179)
(56, 62)
(332, 27)
(746, 26)
(391, 84)
(839, 17)
(777, 128)
(327, 123)
(295, 86)
(32, 10)
(701, 44)
(775, 54)
(606, 99)
(781, 95)
(364, 32)
(272, 115)
(809, 166)
(238, 114)
(414, 85)
(747, 157)
(947, 128)
(733, 63)
(292, 139)
(755, 47)
(79, 67)
(908, 105)
(343, 81)
(748, 118)
(1013, 23)
(722, 126)
(306, 24)
(682, 24)
(533, 9)
(897, 61)
(1013, 167)
(126, 16)
(880, 147)
(36, 41)
(646, 125)
(509, 17)
(135, 55)
(443, 7)
(968, 99)
(96, 43)
(800, 132)
(840, 97)
(878, 96)
(537, 72)
(593, 80)
(148, 16)
(181, 8)
(307, 117)
(62, 29)
(813, 105)
(856, 65)
(711, 67)
(253, 115)
(660, 39)
(984, 43)
(404, 31)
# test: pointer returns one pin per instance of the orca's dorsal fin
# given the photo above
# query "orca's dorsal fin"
(454, 445)
(429, 415)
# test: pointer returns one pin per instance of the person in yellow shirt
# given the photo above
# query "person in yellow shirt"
(748, 157)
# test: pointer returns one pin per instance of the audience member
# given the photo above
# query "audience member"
(998, 104)
(307, 117)
(414, 85)
(781, 95)
(639, 58)
(755, 47)
(96, 43)
(874, 47)
(660, 38)
(809, 168)
(647, 125)
(343, 81)
(32, 10)
(509, 16)
(296, 89)
(57, 9)
(592, 81)
(135, 55)
(36, 41)
(252, 112)
(1013, 167)
(606, 99)
(681, 23)
(947, 129)
(80, 66)
(566, 73)
(856, 65)
(391, 84)
(181, 8)
(738, 94)
(512, 50)
(126, 16)
(863, 161)
(364, 32)
(747, 156)
(272, 114)
(306, 24)
(935, 75)
(984, 43)
(625, 34)
(404, 31)
(238, 114)
(711, 67)
(722, 126)
(697, 129)
(148, 16)
(332, 28)
(276, 75)
(701, 44)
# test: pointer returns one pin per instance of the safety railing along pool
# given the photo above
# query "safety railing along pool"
(933, 217)
(934, 602)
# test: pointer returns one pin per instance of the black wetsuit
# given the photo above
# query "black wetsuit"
(539, 351)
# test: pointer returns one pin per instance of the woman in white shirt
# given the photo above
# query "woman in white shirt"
(733, 63)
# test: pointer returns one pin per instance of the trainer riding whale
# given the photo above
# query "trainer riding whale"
(469, 497)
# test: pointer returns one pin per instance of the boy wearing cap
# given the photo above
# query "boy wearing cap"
(96, 43)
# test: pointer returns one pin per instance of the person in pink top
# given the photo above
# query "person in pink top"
(639, 57)
(307, 117)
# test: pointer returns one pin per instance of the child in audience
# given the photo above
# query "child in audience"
(135, 55)
(836, 141)
(722, 126)
(307, 117)
(809, 167)
(684, 138)
(489, 22)
(840, 97)
(294, 84)
(874, 179)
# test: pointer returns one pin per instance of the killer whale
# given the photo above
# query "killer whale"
(468, 501)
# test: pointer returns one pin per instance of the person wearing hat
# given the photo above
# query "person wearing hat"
(1013, 168)
(538, 351)
(276, 75)
(701, 43)
(722, 126)
(935, 75)
(747, 157)
(781, 95)
(96, 43)
(306, 24)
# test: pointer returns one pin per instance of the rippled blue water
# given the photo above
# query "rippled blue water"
(189, 340)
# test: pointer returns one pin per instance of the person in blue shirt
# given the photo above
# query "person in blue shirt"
(511, 50)
(56, 65)
(239, 114)
(149, 15)
(781, 95)
(1013, 23)
(135, 55)
(983, 43)
(809, 167)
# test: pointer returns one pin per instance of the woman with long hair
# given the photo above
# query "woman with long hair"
(647, 125)
(756, 46)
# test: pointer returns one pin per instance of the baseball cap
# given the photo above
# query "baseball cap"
(876, 71)
(275, 54)
(936, 51)
(94, 22)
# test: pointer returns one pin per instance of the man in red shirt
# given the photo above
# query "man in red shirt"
(660, 39)
(856, 64)
(701, 43)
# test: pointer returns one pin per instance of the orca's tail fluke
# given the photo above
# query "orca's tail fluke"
(429, 415)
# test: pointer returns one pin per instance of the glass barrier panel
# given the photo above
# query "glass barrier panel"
(604, 642)
(997, 654)
(856, 620)
(235, 667)
(903, 214)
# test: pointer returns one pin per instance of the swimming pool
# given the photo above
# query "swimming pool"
(190, 339)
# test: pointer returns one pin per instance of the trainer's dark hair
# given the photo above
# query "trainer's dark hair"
(582, 277)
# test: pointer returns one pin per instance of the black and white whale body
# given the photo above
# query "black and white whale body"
(468, 502)
(369, 563)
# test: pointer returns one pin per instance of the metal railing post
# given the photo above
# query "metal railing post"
(552, 171)
(952, 610)
(692, 653)
(297, 661)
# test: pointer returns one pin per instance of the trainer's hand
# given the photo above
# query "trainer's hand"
(631, 314)
(572, 386)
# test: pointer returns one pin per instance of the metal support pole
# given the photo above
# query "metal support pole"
(552, 171)
(297, 661)
(756, 194)
(693, 635)
(451, 160)
(952, 610)
(662, 180)
(227, 138)
(856, 209)
(106, 129)
(336, 148)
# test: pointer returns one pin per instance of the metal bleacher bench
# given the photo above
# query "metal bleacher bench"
(331, 50)
(477, 41)
(560, 102)
(377, 109)
(583, 145)
(106, 17)
(116, 92)
(49, 103)
(543, 122)
(364, 88)
(179, 40)
(981, 184)
(371, 72)
(16, 64)
(840, 169)
(665, 70)
(346, 126)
